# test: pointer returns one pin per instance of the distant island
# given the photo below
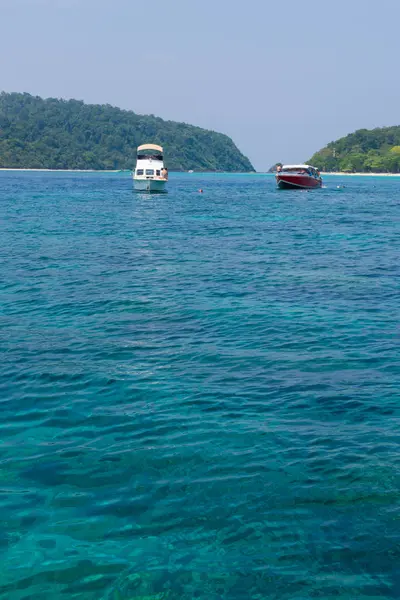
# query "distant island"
(364, 151)
(69, 134)
(274, 167)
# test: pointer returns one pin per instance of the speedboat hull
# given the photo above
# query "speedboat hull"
(149, 185)
(292, 181)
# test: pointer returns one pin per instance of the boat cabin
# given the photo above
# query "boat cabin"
(150, 162)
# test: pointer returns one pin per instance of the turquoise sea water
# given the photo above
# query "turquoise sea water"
(199, 393)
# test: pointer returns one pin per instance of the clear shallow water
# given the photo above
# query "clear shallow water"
(199, 394)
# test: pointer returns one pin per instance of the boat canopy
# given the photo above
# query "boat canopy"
(294, 167)
(153, 147)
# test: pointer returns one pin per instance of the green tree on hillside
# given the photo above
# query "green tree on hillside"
(376, 150)
(61, 134)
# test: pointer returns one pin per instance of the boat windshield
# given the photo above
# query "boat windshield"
(301, 170)
(150, 157)
(298, 170)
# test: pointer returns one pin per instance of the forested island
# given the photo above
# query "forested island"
(364, 151)
(69, 134)
(274, 167)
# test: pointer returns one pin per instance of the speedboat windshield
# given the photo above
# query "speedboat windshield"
(300, 170)
(295, 169)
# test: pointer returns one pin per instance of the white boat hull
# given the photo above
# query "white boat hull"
(149, 185)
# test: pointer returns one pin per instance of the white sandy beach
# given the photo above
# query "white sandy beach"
(362, 174)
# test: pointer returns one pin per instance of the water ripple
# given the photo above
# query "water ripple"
(199, 396)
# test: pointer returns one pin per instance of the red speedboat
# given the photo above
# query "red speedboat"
(298, 177)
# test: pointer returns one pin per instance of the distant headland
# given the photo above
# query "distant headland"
(364, 151)
(71, 135)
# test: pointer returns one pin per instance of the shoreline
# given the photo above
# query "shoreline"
(17, 170)
(340, 174)
(324, 173)
(61, 170)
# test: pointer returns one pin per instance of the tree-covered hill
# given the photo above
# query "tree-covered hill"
(366, 150)
(274, 167)
(69, 134)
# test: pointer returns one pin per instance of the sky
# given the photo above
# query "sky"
(281, 78)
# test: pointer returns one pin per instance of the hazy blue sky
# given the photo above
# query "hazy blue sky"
(281, 78)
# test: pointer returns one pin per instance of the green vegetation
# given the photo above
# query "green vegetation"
(61, 134)
(366, 150)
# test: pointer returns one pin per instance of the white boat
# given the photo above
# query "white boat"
(150, 174)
